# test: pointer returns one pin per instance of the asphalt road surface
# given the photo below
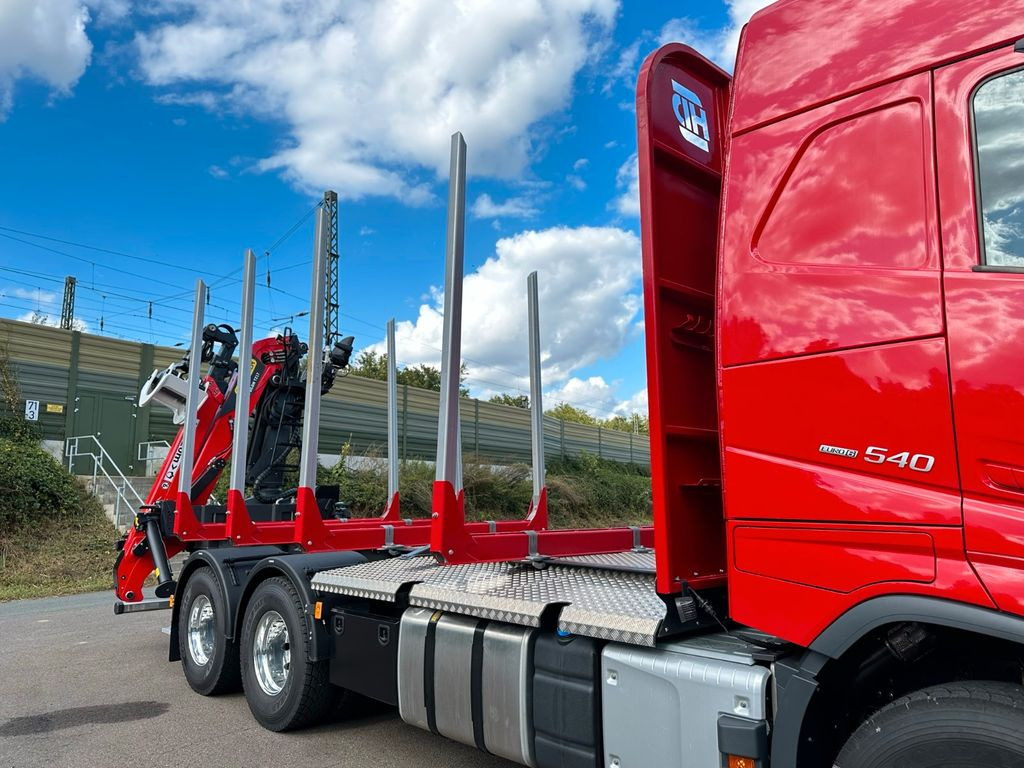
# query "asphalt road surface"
(82, 687)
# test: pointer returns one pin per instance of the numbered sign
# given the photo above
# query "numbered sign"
(31, 410)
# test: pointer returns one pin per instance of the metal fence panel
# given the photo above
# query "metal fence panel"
(109, 356)
(354, 412)
(38, 343)
(46, 384)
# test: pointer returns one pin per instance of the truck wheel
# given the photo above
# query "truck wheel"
(208, 659)
(285, 690)
(958, 725)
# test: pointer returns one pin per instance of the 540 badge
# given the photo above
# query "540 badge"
(875, 454)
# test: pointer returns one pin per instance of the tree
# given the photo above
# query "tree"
(371, 365)
(516, 401)
(632, 423)
(566, 412)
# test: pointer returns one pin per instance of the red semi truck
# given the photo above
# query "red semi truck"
(833, 249)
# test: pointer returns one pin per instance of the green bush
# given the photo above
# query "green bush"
(588, 492)
(32, 484)
(17, 429)
(582, 493)
(365, 490)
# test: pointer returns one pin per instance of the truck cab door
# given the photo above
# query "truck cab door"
(979, 129)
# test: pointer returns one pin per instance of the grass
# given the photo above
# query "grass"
(61, 555)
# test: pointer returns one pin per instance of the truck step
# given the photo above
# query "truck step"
(616, 605)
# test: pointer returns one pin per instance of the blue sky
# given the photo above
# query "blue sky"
(153, 143)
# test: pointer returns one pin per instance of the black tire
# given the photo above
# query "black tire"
(306, 696)
(219, 673)
(957, 725)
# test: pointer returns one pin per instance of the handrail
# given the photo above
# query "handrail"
(149, 459)
(100, 459)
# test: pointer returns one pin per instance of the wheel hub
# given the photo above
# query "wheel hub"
(201, 630)
(271, 653)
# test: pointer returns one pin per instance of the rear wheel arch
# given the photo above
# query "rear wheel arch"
(834, 660)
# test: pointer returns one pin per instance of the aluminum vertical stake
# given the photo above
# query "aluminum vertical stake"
(315, 357)
(449, 449)
(195, 373)
(240, 439)
(393, 498)
(536, 399)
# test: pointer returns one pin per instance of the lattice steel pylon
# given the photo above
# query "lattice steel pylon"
(331, 330)
(67, 311)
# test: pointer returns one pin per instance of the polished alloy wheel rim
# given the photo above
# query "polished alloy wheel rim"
(271, 653)
(200, 630)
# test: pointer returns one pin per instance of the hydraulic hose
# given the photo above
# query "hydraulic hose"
(165, 584)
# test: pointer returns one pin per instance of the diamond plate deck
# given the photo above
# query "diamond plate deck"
(607, 604)
(635, 561)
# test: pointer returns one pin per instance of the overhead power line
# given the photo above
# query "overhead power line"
(159, 262)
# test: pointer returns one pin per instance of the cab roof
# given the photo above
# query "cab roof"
(797, 54)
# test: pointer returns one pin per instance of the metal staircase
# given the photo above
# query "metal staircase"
(85, 453)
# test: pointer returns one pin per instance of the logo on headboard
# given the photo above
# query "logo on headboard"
(692, 117)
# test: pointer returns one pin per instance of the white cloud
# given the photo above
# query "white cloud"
(635, 404)
(217, 172)
(35, 294)
(597, 397)
(684, 30)
(589, 300)
(109, 12)
(51, 320)
(44, 40)
(626, 69)
(740, 12)
(484, 207)
(372, 90)
(719, 45)
(680, 30)
(574, 179)
(205, 99)
(366, 231)
(38, 318)
(627, 181)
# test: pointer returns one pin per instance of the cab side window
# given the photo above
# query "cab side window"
(999, 146)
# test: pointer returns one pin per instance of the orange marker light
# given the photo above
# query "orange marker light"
(318, 610)
(735, 761)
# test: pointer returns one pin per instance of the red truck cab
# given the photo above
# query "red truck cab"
(833, 244)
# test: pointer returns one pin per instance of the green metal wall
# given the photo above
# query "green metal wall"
(69, 370)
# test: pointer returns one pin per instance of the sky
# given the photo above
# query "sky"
(143, 145)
